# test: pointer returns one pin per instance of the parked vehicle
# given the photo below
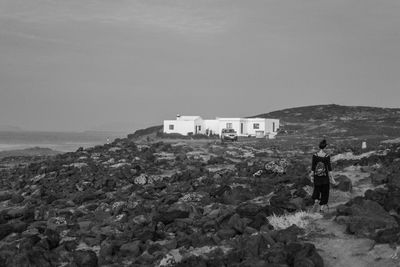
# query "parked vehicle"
(229, 134)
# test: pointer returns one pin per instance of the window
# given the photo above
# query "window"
(256, 126)
(273, 126)
(171, 126)
(199, 128)
(228, 125)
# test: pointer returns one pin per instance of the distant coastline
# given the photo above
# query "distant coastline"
(57, 141)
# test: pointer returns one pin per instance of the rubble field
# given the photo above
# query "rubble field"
(191, 203)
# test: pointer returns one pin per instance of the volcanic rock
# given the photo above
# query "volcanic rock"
(343, 183)
(363, 217)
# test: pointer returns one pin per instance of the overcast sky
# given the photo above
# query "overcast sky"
(117, 64)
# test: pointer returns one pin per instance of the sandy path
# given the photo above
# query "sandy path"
(339, 249)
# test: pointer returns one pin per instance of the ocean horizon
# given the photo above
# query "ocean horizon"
(57, 141)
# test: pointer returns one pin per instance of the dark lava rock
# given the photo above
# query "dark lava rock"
(392, 200)
(288, 235)
(379, 178)
(364, 217)
(85, 258)
(53, 238)
(237, 223)
(303, 255)
(131, 249)
(248, 210)
(259, 220)
(226, 233)
(378, 195)
(30, 258)
(391, 235)
(84, 196)
(5, 230)
(174, 212)
(5, 195)
(343, 184)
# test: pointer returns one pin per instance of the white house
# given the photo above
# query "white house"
(258, 127)
(185, 125)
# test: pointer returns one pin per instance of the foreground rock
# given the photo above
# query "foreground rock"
(125, 204)
(364, 217)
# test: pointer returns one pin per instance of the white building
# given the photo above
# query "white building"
(258, 127)
(185, 125)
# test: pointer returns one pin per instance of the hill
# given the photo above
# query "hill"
(339, 120)
(332, 120)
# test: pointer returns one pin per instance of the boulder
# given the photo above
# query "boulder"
(259, 220)
(52, 237)
(282, 201)
(287, 235)
(392, 200)
(391, 235)
(237, 223)
(378, 195)
(226, 233)
(174, 212)
(5, 195)
(85, 196)
(131, 249)
(303, 255)
(298, 202)
(253, 246)
(248, 210)
(343, 184)
(5, 230)
(364, 217)
(31, 257)
(85, 258)
(378, 178)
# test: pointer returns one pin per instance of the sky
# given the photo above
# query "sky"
(81, 65)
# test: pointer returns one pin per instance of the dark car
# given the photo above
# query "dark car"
(229, 134)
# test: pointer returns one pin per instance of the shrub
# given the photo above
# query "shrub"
(301, 219)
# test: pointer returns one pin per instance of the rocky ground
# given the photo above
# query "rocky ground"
(196, 203)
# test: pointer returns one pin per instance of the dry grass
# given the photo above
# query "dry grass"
(301, 219)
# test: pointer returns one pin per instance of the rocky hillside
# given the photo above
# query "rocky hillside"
(331, 120)
(339, 120)
(125, 204)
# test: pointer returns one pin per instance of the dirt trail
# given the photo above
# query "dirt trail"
(339, 249)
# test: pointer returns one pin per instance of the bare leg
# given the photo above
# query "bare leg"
(395, 255)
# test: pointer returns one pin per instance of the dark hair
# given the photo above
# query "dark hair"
(322, 144)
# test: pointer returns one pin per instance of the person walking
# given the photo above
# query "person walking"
(321, 171)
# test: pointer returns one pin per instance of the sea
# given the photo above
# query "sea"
(58, 141)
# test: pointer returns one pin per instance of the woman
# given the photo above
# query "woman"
(321, 170)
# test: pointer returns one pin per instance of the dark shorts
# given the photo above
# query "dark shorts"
(321, 192)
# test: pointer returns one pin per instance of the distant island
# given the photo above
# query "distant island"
(29, 152)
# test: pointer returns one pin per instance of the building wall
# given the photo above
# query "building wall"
(181, 127)
(212, 126)
(272, 126)
(267, 127)
(260, 131)
(200, 126)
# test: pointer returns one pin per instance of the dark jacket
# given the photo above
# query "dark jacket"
(327, 161)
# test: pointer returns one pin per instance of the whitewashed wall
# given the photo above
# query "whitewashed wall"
(267, 127)
(270, 126)
(212, 125)
(181, 127)
(250, 126)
